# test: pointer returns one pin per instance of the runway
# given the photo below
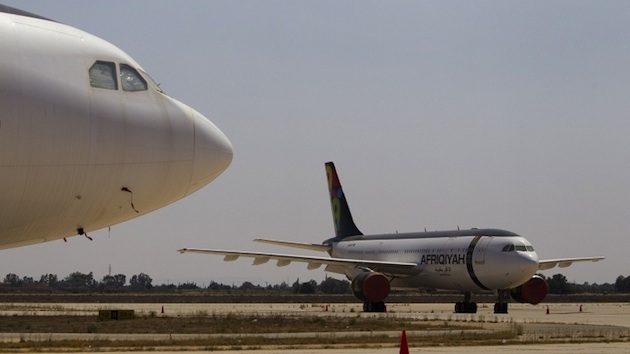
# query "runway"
(600, 321)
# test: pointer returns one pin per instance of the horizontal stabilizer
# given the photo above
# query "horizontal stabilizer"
(306, 246)
(394, 268)
(565, 262)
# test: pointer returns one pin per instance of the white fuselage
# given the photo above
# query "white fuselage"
(74, 156)
(463, 263)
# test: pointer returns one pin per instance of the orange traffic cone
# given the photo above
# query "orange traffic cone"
(404, 347)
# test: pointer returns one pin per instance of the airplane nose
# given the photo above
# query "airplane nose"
(528, 262)
(213, 152)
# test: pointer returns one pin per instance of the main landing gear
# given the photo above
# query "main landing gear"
(466, 306)
(374, 307)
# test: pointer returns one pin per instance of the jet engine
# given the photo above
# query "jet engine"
(532, 292)
(370, 287)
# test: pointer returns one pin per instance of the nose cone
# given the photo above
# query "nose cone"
(529, 261)
(525, 263)
(213, 152)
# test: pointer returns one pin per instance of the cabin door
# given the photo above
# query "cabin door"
(480, 250)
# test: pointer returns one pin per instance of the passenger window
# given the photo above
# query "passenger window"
(103, 75)
(131, 80)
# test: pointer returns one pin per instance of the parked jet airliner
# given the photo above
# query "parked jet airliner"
(87, 139)
(464, 260)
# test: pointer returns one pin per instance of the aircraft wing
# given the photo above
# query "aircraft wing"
(565, 262)
(337, 265)
(306, 246)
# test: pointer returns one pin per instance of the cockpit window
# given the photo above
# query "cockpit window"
(131, 80)
(519, 248)
(103, 75)
(151, 82)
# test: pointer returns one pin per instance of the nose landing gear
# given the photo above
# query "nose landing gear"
(501, 306)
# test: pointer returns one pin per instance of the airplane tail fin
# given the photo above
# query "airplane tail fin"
(342, 219)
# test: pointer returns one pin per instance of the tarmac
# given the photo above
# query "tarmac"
(597, 320)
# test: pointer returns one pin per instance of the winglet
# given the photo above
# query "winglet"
(342, 219)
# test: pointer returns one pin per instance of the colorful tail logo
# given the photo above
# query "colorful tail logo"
(342, 219)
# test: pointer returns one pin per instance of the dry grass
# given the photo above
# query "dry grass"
(213, 324)
(258, 331)
(259, 342)
(249, 332)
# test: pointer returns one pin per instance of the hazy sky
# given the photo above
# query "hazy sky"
(438, 114)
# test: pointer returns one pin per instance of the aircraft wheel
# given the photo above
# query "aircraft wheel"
(501, 307)
(466, 307)
(374, 307)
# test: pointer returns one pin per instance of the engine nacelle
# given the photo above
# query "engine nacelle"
(532, 292)
(370, 287)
